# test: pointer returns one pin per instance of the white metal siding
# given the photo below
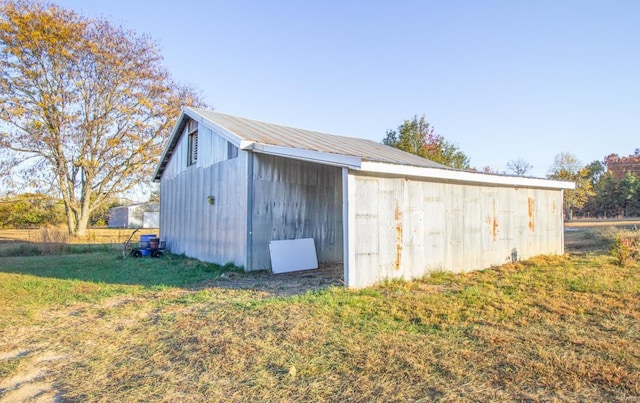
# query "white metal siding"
(189, 223)
(295, 199)
(136, 214)
(132, 216)
(212, 149)
(151, 219)
(406, 228)
(403, 216)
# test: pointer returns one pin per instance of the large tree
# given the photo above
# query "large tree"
(418, 137)
(568, 168)
(607, 196)
(596, 169)
(85, 106)
(629, 191)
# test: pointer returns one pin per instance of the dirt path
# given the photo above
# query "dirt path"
(37, 362)
(279, 284)
(31, 383)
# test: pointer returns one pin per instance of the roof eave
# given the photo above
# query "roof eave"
(177, 132)
(168, 150)
(320, 157)
(463, 176)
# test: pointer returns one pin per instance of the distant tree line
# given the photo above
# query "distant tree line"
(616, 187)
(607, 189)
(604, 189)
(33, 210)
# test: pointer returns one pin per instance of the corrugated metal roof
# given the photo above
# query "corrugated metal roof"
(337, 150)
(284, 136)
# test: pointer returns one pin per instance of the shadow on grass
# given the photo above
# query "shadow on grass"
(106, 265)
(29, 248)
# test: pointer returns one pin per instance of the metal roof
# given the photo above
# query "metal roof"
(284, 136)
(354, 153)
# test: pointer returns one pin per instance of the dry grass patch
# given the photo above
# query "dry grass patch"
(47, 241)
(60, 234)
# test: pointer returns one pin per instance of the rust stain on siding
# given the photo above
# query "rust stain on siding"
(398, 217)
(492, 221)
(532, 214)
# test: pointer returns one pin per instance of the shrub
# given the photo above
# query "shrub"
(626, 247)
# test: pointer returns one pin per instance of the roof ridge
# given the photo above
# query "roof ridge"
(280, 125)
(275, 134)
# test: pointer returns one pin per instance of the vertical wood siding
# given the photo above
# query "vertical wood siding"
(406, 228)
(188, 222)
(295, 199)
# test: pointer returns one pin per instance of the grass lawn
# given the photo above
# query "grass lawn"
(31, 284)
(98, 328)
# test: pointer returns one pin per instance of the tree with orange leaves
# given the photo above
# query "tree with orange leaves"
(620, 166)
(417, 136)
(85, 106)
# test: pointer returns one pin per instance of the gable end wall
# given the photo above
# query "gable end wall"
(189, 223)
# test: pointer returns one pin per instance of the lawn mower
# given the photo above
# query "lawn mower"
(148, 245)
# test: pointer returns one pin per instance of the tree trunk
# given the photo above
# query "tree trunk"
(85, 210)
(82, 224)
(71, 225)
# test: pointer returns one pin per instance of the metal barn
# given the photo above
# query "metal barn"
(230, 185)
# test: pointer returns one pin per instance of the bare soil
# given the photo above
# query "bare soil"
(267, 284)
(31, 384)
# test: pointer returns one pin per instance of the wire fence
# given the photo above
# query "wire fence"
(60, 235)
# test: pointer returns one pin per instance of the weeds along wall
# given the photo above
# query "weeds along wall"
(404, 228)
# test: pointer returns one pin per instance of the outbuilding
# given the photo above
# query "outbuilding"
(231, 185)
(138, 215)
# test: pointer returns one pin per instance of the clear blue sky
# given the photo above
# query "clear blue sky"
(500, 79)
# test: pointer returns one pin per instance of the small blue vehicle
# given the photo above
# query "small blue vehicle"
(148, 245)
